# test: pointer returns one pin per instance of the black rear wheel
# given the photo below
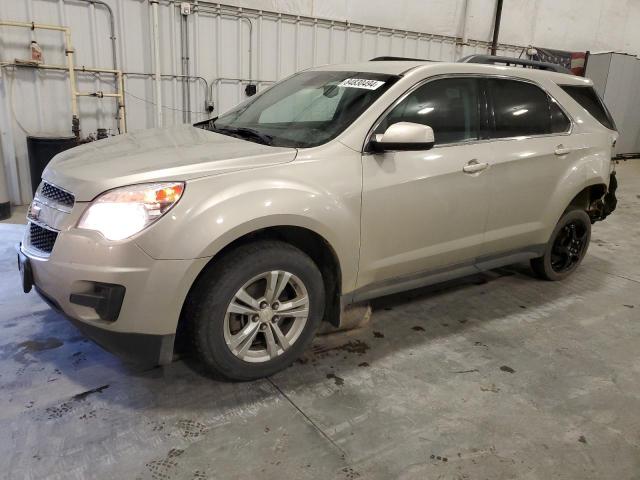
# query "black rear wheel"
(566, 247)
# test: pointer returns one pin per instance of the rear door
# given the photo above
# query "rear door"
(532, 149)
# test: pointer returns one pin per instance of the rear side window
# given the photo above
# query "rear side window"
(523, 109)
(591, 102)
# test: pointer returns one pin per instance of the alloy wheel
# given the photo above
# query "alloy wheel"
(266, 316)
(569, 246)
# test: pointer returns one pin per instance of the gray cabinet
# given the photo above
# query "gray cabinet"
(616, 77)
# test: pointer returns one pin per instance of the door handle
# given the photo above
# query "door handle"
(473, 166)
(562, 150)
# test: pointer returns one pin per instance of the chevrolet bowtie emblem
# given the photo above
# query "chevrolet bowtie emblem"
(34, 212)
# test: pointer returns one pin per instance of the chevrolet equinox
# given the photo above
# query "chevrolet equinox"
(242, 233)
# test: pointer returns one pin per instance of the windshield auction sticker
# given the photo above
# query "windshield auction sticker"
(361, 83)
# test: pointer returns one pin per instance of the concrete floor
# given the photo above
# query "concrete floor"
(496, 376)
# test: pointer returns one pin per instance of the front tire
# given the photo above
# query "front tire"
(256, 310)
(566, 248)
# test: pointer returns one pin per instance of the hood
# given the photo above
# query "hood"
(161, 154)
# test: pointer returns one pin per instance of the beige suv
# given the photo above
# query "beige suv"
(243, 233)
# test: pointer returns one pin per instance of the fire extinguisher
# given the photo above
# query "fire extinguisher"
(36, 52)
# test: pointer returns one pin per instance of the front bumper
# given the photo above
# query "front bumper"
(138, 348)
(143, 328)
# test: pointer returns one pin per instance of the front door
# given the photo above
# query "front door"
(424, 211)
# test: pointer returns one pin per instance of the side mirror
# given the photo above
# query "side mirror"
(405, 136)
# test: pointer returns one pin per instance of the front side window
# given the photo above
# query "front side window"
(449, 106)
(306, 110)
(523, 109)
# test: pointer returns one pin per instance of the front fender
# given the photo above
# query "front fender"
(215, 211)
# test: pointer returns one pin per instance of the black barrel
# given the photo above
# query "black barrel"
(42, 149)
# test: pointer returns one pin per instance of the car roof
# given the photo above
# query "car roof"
(427, 68)
(388, 67)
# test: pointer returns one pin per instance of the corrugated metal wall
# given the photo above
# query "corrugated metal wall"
(228, 48)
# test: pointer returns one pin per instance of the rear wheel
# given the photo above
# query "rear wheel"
(256, 310)
(566, 247)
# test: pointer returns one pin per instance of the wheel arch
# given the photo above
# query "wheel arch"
(582, 195)
(571, 194)
(315, 245)
(589, 194)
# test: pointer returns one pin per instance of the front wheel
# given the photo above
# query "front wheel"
(256, 310)
(566, 247)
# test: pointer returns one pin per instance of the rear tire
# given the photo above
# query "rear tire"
(566, 248)
(254, 311)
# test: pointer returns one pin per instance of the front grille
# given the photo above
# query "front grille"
(57, 195)
(41, 238)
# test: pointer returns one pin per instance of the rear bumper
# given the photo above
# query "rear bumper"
(605, 206)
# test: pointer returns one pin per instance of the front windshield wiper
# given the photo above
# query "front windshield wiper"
(245, 133)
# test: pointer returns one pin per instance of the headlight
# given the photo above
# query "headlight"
(125, 211)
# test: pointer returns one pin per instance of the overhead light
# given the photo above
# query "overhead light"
(426, 110)
(520, 111)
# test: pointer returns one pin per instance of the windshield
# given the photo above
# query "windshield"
(305, 110)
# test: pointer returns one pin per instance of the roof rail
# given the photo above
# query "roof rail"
(399, 59)
(509, 61)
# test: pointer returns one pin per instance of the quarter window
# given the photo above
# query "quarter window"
(522, 109)
(592, 103)
(559, 121)
(449, 106)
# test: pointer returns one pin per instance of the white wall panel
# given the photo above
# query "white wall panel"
(229, 47)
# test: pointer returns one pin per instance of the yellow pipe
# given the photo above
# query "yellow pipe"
(122, 118)
(60, 67)
(68, 52)
(40, 26)
(122, 114)
(72, 73)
